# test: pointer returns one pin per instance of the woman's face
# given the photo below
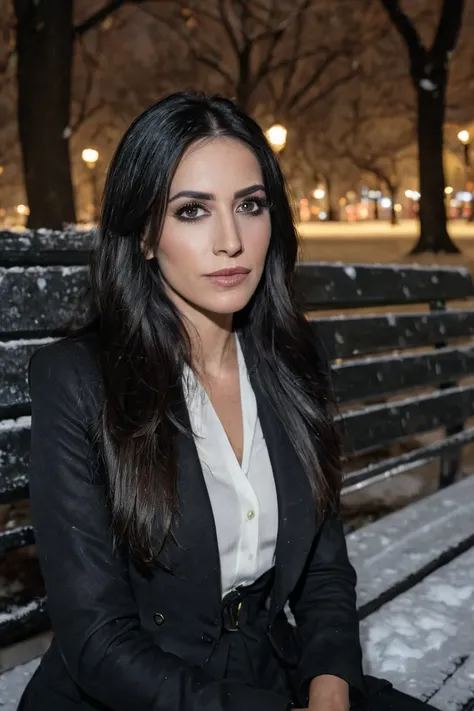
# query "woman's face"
(217, 218)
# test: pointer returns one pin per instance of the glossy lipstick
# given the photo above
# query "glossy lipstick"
(229, 277)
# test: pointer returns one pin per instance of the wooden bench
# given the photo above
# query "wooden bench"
(402, 356)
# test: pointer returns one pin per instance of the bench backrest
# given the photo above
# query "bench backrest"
(398, 354)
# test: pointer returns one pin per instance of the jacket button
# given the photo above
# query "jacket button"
(207, 638)
(158, 618)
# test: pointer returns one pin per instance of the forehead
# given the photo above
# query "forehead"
(219, 165)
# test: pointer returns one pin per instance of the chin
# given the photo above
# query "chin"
(226, 304)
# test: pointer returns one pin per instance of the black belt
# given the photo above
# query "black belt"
(245, 602)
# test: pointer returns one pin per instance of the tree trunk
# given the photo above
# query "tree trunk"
(393, 190)
(434, 235)
(376, 208)
(333, 211)
(45, 41)
(243, 90)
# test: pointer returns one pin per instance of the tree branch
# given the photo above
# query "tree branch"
(448, 28)
(327, 92)
(227, 24)
(315, 76)
(213, 64)
(97, 17)
(100, 15)
(405, 27)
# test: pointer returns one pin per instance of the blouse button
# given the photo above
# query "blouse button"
(251, 515)
(158, 618)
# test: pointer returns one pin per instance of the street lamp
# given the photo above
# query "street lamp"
(90, 157)
(276, 136)
(465, 138)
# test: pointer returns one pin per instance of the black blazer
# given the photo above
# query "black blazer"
(107, 648)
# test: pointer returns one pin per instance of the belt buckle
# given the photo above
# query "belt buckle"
(231, 612)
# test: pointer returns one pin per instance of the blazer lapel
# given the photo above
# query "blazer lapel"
(198, 558)
(296, 514)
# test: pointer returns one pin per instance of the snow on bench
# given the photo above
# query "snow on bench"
(394, 553)
(458, 689)
(13, 682)
(423, 637)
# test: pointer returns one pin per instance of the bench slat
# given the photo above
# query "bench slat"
(378, 425)
(22, 621)
(387, 468)
(458, 689)
(418, 639)
(41, 298)
(347, 336)
(14, 446)
(393, 553)
(375, 377)
(13, 487)
(353, 285)
(14, 357)
(34, 246)
(16, 538)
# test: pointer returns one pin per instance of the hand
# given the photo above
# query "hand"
(328, 693)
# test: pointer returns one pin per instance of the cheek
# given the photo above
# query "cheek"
(256, 234)
(175, 252)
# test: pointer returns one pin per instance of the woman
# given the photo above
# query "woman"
(185, 469)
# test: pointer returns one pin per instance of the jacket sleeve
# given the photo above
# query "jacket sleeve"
(325, 612)
(93, 613)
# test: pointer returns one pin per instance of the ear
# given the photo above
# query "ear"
(148, 254)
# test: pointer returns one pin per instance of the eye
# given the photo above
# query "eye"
(190, 212)
(253, 206)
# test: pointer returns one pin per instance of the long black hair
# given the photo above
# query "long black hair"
(143, 343)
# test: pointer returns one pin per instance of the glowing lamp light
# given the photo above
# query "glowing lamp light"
(90, 156)
(464, 137)
(22, 210)
(397, 207)
(415, 195)
(322, 215)
(319, 193)
(386, 202)
(276, 136)
(409, 194)
(448, 190)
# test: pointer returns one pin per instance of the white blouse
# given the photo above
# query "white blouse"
(243, 497)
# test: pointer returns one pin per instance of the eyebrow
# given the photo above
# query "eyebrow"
(209, 196)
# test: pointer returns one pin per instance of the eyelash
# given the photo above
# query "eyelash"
(262, 203)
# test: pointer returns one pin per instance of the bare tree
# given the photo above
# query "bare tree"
(44, 52)
(429, 71)
(374, 141)
(275, 59)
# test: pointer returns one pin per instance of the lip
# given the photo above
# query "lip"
(230, 271)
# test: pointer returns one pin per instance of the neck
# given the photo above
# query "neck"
(212, 342)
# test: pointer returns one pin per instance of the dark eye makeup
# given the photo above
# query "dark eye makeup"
(189, 212)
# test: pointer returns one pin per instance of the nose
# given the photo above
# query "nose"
(228, 239)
